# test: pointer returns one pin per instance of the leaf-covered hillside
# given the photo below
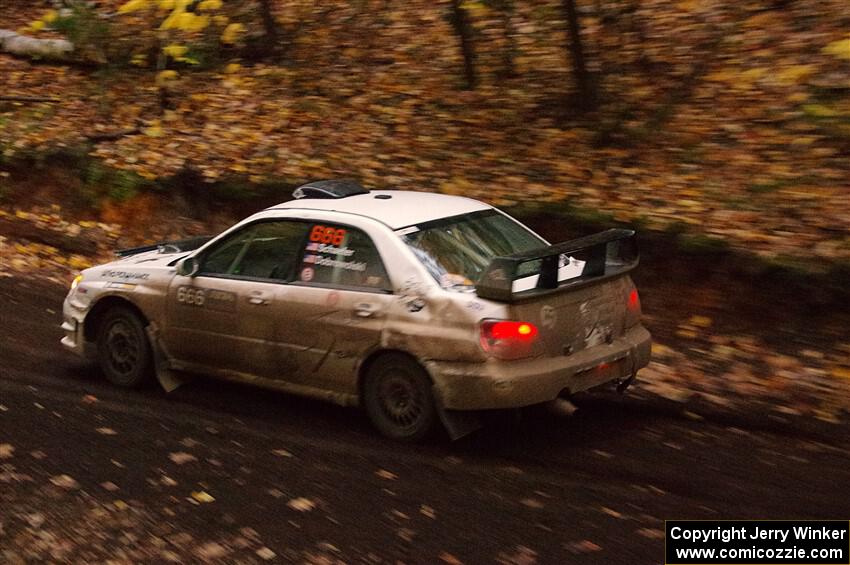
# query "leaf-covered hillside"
(730, 120)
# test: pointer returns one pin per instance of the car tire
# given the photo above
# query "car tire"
(398, 399)
(123, 350)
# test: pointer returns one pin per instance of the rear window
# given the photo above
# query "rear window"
(457, 250)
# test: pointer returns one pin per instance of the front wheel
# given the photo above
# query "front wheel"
(123, 350)
(398, 399)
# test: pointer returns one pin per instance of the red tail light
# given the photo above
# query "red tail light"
(506, 339)
(633, 315)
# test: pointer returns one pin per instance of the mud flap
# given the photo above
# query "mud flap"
(167, 378)
(458, 423)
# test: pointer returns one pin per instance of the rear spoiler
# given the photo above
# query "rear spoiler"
(606, 255)
(178, 246)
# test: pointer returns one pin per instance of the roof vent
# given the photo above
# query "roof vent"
(329, 189)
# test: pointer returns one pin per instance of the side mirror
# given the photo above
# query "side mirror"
(188, 267)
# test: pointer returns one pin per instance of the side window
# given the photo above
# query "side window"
(342, 256)
(265, 250)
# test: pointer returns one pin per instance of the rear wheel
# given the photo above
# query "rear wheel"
(123, 350)
(398, 399)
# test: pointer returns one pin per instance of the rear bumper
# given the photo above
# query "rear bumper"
(502, 384)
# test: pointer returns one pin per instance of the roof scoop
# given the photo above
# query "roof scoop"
(329, 189)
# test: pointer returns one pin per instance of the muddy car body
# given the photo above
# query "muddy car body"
(419, 307)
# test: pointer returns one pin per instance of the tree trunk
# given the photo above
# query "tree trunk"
(506, 12)
(585, 90)
(24, 46)
(269, 24)
(463, 28)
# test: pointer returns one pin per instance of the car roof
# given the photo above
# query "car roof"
(395, 208)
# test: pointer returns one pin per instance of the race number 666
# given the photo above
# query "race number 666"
(327, 235)
(189, 295)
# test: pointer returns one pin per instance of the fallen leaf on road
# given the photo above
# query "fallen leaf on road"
(281, 453)
(210, 551)
(120, 505)
(64, 481)
(384, 474)
(265, 553)
(202, 496)
(651, 533)
(584, 546)
(109, 486)
(301, 504)
(446, 557)
(106, 431)
(181, 457)
(89, 399)
(426, 510)
(611, 512)
(700, 321)
(531, 503)
(6, 450)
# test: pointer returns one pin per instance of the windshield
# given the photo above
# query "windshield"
(457, 250)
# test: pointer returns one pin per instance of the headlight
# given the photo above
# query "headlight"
(76, 281)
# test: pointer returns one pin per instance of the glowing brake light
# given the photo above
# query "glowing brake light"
(634, 300)
(507, 339)
(633, 304)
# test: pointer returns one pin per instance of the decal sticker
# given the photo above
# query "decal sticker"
(548, 317)
(330, 249)
(221, 300)
(191, 296)
(333, 298)
(125, 275)
(327, 235)
(307, 274)
(348, 265)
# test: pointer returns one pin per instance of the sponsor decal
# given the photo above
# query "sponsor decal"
(333, 298)
(307, 274)
(548, 317)
(125, 275)
(336, 264)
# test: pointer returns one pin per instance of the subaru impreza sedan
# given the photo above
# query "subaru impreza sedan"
(423, 309)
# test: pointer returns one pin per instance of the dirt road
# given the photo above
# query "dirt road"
(217, 471)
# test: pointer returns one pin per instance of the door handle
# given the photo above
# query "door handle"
(365, 310)
(258, 298)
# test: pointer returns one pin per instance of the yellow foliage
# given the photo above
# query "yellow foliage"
(133, 6)
(840, 49)
(232, 68)
(167, 75)
(700, 321)
(175, 51)
(209, 5)
(232, 32)
(794, 74)
(50, 16)
(37, 25)
(166, 4)
(139, 59)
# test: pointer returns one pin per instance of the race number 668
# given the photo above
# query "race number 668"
(189, 295)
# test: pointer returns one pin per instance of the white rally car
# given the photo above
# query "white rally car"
(421, 308)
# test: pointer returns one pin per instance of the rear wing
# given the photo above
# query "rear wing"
(167, 246)
(604, 255)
